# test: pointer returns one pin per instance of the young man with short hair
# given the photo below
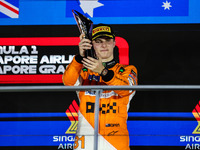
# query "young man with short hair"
(114, 104)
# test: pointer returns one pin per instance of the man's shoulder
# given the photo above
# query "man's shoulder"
(118, 65)
(123, 68)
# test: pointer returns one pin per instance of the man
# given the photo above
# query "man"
(104, 70)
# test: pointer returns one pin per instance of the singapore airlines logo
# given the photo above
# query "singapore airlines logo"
(88, 6)
(72, 113)
(196, 113)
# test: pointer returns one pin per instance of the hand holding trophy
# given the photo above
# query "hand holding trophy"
(85, 26)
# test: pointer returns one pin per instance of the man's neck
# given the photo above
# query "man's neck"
(108, 59)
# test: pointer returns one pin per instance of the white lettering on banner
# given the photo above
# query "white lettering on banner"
(12, 50)
(24, 49)
(192, 142)
(24, 59)
(63, 138)
(47, 69)
(61, 69)
(44, 60)
(34, 51)
(51, 69)
(56, 59)
(68, 139)
(65, 146)
(189, 138)
(192, 146)
(22, 69)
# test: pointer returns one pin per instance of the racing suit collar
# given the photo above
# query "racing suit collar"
(109, 64)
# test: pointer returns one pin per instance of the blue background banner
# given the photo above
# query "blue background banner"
(106, 11)
(142, 132)
(41, 133)
(129, 8)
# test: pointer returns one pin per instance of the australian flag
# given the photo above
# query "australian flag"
(128, 8)
(9, 8)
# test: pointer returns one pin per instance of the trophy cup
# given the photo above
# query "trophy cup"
(85, 26)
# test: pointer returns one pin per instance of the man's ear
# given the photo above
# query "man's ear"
(114, 43)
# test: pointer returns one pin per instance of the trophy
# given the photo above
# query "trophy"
(85, 26)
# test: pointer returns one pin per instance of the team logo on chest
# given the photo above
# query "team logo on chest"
(105, 108)
(93, 77)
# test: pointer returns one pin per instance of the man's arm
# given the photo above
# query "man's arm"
(127, 77)
(72, 71)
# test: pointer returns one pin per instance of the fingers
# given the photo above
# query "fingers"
(93, 64)
(91, 59)
(82, 36)
(88, 63)
(84, 44)
(83, 39)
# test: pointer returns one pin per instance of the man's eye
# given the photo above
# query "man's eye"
(108, 40)
(98, 41)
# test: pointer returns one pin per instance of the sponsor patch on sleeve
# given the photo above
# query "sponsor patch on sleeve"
(133, 75)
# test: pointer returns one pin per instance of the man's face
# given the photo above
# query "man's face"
(104, 48)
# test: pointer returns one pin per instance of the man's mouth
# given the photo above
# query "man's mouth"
(105, 50)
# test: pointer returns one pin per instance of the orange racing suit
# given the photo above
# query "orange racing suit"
(113, 133)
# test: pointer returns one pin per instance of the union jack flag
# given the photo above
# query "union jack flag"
(9, 8)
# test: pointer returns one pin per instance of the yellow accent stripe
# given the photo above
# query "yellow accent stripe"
(102, 35)
(72, 114)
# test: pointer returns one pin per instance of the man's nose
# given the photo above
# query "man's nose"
(104, 44)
